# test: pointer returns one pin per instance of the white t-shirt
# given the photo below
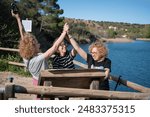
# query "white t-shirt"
(36, 64)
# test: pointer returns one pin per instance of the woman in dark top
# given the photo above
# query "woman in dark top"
(97, 59)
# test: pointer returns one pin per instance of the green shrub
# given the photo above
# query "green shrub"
(19, 70)
(3, 65)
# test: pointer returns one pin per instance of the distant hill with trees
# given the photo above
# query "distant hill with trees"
(90, 30)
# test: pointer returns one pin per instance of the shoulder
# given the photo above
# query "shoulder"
(107, 60)
(39, 57)
(89, 57)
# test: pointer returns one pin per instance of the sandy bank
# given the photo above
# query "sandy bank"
(118, 40)
(143, 39)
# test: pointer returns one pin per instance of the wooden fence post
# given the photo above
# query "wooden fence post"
(1, 96)
(48, 84)
(2, 93)
(9, 91)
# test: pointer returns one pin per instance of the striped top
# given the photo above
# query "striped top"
(66, 61)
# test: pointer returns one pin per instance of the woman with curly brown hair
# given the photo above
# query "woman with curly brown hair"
(97, 59)
(30, 52)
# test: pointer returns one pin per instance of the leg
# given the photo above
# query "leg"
(35, 83)
(104, 85)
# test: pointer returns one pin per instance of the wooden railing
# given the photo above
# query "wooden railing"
(11, 88)
(9, 49)
(22, 64)
(144, 91)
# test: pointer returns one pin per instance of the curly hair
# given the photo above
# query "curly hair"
(28, 46)
(103, 51)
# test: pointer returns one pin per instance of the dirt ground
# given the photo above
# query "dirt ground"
(17, 80)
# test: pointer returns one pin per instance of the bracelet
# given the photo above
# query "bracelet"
(64, 32)
(69, 36)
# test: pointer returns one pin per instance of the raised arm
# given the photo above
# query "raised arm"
(73, 52)
(53, 49)
(76, 46)
(19, 23)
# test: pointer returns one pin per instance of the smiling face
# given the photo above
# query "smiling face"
(62, 48)
(98, 51)
(95, 54)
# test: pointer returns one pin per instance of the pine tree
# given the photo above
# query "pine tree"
(51, 22)
(8, 33)
(44, 14)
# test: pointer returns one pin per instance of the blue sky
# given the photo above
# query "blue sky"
(128, 11)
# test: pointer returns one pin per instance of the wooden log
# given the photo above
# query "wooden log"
(9, 49)
(132, 85)
(59, 91)
(16, 63)
(80, 64)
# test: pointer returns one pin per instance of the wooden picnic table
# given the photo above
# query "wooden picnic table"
(71, 78)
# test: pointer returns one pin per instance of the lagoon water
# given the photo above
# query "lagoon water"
(130, 60)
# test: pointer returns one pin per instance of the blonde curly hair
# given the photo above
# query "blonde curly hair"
(28, 46)
(103, 51)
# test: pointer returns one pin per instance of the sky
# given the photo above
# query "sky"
(127, 11)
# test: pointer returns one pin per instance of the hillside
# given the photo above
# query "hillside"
(88, 31)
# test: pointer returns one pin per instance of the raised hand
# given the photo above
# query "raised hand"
(15, 15)
(66, 27)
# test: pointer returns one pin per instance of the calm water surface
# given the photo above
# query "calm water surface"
(130, 60)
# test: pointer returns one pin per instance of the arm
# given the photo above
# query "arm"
(76, 46)
(107, 71)
(53, 49)
(19, 23)
(73, 52)
(107, 68)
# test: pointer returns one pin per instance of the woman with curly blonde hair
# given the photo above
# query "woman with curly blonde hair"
(28, 47)
(97, 59)
(29, 50)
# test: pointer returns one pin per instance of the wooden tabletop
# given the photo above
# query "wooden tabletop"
(76, 78)
(74, 73)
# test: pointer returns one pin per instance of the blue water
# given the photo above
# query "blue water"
(130, 60)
